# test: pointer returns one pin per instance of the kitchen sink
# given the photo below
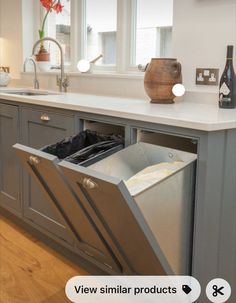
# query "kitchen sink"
(28, 92)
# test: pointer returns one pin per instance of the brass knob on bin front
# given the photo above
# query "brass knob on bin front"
(34, 160)
(89, 184)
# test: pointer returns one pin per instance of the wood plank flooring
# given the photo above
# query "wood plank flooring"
(31, 272)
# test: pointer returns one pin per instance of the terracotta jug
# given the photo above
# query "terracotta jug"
(160, 77)
(43, 59)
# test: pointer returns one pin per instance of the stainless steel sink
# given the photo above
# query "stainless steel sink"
(28, 92)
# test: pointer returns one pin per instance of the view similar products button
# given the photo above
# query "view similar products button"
(133, 289)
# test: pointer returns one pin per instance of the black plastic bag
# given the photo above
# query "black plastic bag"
(73, 144)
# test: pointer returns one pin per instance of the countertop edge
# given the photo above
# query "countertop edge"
(163, 120)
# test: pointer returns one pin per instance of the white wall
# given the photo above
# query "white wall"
(11, 31)
(29, 26)
(202, 30)
(1, 39)
(154, 13)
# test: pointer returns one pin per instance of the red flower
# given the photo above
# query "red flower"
(47, 4)
(58, 7)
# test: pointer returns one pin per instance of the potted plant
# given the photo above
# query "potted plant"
(43, 56)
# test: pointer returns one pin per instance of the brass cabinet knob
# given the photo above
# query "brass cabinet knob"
(89, 184)
(34, 160)
(45, 117)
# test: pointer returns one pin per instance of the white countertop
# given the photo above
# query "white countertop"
(185, 113)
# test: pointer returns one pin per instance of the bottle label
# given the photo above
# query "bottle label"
(224, 89)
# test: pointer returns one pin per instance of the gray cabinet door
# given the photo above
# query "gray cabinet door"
(9, 166)
(40, 128)
(131, 238)
(89, 237)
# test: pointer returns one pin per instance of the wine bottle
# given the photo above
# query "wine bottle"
(227, 94)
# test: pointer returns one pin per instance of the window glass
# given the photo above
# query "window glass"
(153, 30)
(101, 20)
(59, 27)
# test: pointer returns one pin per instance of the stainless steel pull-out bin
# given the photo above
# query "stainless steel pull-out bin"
(126, 230)
(163, 192)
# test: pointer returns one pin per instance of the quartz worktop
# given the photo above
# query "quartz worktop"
(186, 112)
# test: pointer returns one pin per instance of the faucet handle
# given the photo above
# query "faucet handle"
(65, 82)
(36, 84)
(58, 81)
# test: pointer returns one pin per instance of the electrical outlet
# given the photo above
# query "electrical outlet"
(207, 76)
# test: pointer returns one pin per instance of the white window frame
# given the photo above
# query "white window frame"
(126, 37)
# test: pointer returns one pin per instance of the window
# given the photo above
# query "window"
(59, 27)
(126, 33)
(153, 30)
(101, 20)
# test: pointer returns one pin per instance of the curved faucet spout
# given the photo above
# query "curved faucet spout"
(36, 81)
(62, 82)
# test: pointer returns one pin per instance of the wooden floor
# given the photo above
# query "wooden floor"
(30, 272)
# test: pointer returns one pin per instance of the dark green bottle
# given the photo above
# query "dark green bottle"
(227, 94)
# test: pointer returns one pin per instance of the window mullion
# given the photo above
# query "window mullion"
(83, 31)
(77, 31)
(38, 19)
(120, 37)
(124, 34)
(133, 33)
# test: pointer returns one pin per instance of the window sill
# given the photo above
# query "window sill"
(130, 75)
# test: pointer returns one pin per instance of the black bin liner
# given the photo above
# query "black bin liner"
(84, 146)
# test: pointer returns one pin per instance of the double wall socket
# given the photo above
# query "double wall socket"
(207, 76)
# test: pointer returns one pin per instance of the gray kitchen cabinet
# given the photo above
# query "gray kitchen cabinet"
(89, 239)
(213, 228)
(40, 128)
(9, 166)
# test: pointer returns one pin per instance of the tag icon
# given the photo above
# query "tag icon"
(186, 289)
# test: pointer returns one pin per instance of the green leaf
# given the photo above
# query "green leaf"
(41, 34)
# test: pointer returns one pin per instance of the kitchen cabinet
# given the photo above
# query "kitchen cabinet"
(9, 165)
(204, 129)
(87, 235)
(40, 128)
(56, 199)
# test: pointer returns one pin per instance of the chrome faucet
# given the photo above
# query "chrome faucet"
(36, 81)
(63, 81)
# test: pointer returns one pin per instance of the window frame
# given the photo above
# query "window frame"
(125, 43)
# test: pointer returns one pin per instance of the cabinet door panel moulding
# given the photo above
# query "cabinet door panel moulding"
(9, 165)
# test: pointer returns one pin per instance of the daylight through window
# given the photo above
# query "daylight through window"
(59, 27)
(148, 28)
(154, 20)
(101, 20)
